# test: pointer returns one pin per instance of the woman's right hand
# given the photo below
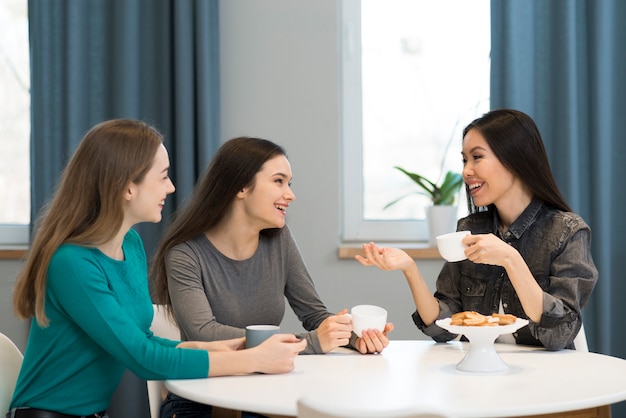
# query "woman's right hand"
(334, 331)
(385, 258)
(277, 353)
(274, 355)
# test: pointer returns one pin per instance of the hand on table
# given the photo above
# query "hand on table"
(277, 353)
(335, 331)
(373, 340)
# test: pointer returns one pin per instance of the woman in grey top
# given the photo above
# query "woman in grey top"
(228, 260)
(527, 255)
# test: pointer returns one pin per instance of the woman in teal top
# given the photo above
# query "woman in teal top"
(85, 286)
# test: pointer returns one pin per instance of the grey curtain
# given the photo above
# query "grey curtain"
(154, 60)
(563, 62)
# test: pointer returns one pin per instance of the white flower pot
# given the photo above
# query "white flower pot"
(442, 219)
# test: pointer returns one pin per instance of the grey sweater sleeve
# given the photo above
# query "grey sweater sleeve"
(303, 298)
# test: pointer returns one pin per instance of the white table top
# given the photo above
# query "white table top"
(410, 373)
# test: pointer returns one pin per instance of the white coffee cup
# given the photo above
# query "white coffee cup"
(256, 334)
(450, 246)
(367, 317)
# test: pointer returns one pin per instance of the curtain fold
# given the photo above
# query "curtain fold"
(154, 60)
(563, 62)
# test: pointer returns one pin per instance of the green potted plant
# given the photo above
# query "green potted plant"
(442, 215)
(439, 194)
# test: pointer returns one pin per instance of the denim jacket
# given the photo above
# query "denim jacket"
(556, 245)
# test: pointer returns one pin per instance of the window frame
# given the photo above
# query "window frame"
(14, 234)
(355, 228)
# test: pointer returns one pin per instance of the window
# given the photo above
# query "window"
(14, 122)
(415, 72)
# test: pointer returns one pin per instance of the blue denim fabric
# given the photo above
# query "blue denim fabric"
(176, 407)
(556, 246)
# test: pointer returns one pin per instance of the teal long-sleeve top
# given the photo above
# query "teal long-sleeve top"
(100, 313)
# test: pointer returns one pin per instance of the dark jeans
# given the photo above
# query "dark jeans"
(25, 412)
(176, 407)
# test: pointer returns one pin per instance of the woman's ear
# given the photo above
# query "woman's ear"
(242, 193)
(130, 192)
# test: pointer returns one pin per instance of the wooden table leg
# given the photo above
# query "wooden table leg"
(225, 413)
(233, 413)
(598, 412)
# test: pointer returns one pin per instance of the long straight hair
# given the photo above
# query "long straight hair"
(232, 168)
(88, 207)
(515, 140)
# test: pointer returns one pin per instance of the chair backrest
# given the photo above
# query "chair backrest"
(311, 406)
(10, 363)
(163, 327)
(580, 342)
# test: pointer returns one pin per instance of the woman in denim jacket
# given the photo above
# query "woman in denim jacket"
(527, 255)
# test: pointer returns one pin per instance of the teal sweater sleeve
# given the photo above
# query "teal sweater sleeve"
(100, 313)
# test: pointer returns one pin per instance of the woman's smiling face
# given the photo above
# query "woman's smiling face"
(489, 182)
(267, 201)
(149, 195)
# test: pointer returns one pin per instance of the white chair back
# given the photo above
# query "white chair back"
(580, 342)
(322, 407)
(163, 327)
(10, 363)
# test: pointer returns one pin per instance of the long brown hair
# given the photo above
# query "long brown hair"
(232, 168)
(87, 207)
(515, 140)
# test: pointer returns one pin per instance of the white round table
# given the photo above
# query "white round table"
(412, 373)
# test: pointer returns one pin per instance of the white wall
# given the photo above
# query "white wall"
(280, 71)
(281, 81)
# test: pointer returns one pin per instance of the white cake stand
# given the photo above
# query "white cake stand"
(482, 355)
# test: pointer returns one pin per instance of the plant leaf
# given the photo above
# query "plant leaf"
(450, 187)
(443, 194)
(428, 186)
(393, 202)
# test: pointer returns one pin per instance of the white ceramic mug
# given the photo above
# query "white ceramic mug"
(450, 246)
(256, 334)
(367, 317)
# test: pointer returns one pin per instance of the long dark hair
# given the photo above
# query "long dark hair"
(515, 140)
(233, 167)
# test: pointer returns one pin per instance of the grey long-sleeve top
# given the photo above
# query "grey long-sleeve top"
(556, 246)
(215, 297)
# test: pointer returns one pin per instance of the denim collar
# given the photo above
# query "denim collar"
(523, 222)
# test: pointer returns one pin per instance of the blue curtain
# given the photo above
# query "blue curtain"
(154, 60)
(563, 62)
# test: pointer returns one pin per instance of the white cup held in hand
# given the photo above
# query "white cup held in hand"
(256, 334)
(367, 317)
(450, 246)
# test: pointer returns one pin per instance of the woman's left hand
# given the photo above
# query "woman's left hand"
(373, 340)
